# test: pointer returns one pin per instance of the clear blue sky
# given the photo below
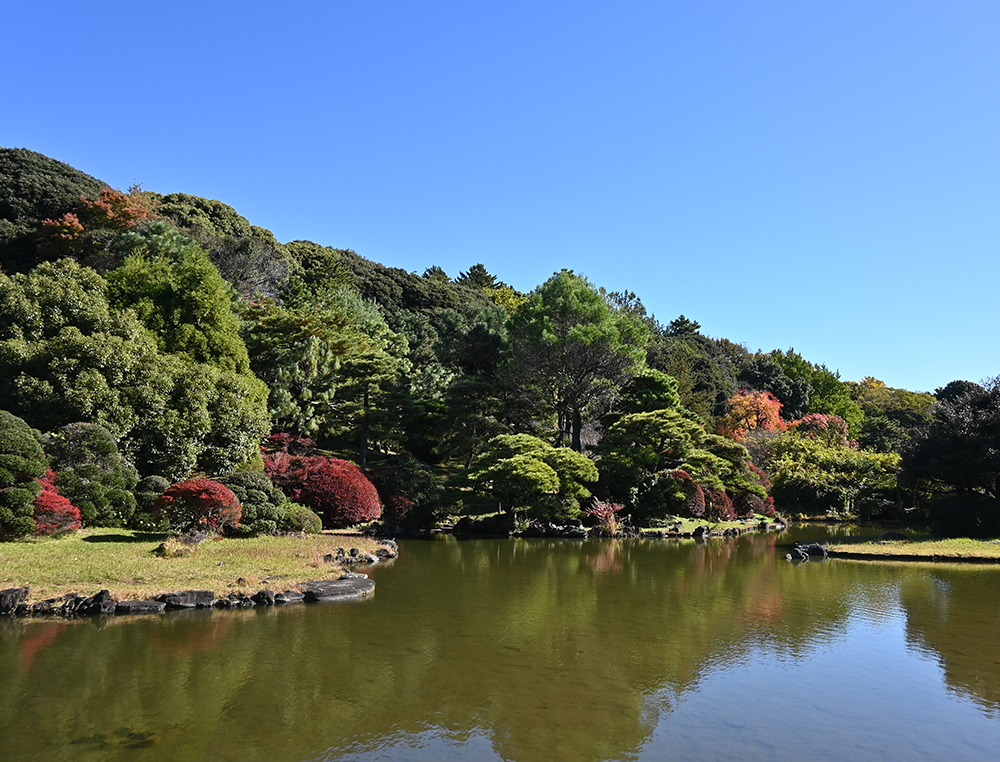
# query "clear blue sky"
(818, 175)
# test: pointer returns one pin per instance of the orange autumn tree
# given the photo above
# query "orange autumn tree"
(84, 231)
(751, 411)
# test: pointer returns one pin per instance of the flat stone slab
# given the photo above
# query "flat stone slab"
(289, 596)
(189, 599)
(140, 607)
(338, 589)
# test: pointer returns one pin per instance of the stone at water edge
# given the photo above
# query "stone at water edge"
(100, 604)
(343, 589)
(263, 598)
(140, 607)
(11, 598)
(189, 599)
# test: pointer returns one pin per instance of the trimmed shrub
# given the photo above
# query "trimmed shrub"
(147, 492)
(54, 513)
(92, 473)
(337, 490)
(298, 518)
(22, 462)
(199, 504)
(263, 503)
(719, 506)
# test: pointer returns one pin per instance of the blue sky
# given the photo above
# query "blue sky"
(820, 175)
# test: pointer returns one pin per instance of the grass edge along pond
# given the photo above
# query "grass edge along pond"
(124, 562)
(920, 548)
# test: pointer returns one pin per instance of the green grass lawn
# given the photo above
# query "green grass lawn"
(124, 562)
(923, 546)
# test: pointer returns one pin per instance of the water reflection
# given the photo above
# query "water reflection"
(516, 650)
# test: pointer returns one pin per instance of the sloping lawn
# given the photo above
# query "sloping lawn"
(124, 562)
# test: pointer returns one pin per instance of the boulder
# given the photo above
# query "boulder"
(45, 607)
(71, 603)
(140, 607)
(338, 589)
(11, 598)
(235, 601)
(264, 598)
(189, 599)
(96, 605)
(289, 596)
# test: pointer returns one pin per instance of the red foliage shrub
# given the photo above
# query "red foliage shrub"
(694, 503)
(337, 490)
(199, 504)
(397, 508)
(607, 517)
(719, 506)
(54, 514)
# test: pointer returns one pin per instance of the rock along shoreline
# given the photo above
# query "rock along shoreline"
(351, 586)
(14, 601)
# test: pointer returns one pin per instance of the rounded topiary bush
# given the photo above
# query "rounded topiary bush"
(199, 504)
(92, 473)
(262, 502)
(22, 463)
(337, 490)
(298, 518)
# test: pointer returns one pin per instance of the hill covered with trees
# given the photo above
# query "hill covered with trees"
(190, 338)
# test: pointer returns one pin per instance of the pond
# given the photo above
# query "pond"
(532, 650)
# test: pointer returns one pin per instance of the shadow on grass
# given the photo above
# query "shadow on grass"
(137, 537)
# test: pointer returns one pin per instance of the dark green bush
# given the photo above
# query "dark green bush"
(147, 492)
(92, 473)
(264, 505)
(22, 463)
(298, 518)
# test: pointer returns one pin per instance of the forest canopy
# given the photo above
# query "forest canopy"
(174, 332)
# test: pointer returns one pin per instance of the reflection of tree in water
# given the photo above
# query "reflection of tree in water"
(37, 637)
(953, 615)
(177, 638)
(550, 649)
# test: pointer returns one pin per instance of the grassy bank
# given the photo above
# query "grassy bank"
(681, 525)
(124, 562)
(921, 548)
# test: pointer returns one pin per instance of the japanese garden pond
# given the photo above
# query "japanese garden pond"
(532, 650)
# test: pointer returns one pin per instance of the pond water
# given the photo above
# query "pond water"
(532, 650)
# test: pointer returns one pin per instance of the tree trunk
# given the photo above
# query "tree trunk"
(363, 434)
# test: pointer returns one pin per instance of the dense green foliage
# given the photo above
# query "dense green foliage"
(957, 458)
(66, 355)
(22, 462)
(523, 472)
(165, 336)
(92, 473)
